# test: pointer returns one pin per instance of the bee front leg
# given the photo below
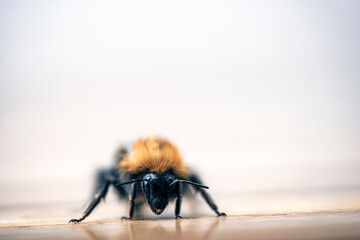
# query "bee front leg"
(178, 200)
(206, 196)
(98, 196)
(132, 196)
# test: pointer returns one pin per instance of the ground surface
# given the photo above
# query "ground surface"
(341, 225)
(320, 214)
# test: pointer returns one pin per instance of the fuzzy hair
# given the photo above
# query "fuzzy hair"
(154, 155)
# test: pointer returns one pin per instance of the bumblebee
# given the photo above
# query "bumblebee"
(153, 172)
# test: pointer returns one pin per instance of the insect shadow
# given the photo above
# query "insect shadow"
(150, 230)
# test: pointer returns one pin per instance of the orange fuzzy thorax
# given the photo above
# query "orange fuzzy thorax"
(154, 155)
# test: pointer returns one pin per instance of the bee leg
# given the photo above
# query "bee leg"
(98, 196)
(206, 196)
(131, 200)
(102, 183)
(178, 200)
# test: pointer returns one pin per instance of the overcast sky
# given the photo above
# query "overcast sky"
(265, 93)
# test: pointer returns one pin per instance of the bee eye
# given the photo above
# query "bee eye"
(146, 187)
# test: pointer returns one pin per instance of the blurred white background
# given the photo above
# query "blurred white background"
(258, 95)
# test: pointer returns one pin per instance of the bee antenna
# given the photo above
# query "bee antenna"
(132, 181)
(188, 182)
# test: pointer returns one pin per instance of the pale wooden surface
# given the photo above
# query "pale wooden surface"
(320, 214)
(301, 226)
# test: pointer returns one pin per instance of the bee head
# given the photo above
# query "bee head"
(158, 191)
